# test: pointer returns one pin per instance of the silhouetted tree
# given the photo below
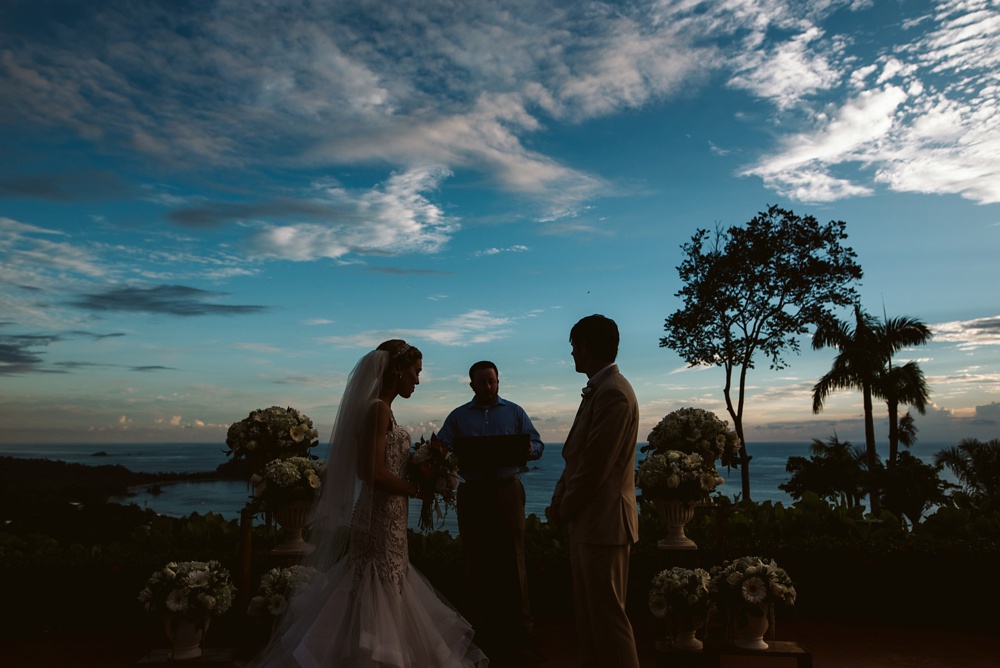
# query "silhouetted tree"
(836, 471)
(912, 487)
(863, 363)
(901, 385)
(977, 467)
(757, 289)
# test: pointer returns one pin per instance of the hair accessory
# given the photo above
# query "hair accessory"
(401, 351)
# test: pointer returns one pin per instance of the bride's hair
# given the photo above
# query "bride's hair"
(401, 355)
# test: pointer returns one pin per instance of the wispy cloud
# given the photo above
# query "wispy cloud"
(394, 218)
(179, 300)
(469, 328)
(924, 119)
(71, 187)
(969, 334)
(497, 251)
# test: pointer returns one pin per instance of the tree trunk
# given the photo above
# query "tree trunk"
(873, 492)
(893, 432)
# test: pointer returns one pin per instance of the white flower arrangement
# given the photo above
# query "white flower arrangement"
(189, 588)
(278, 587)
(270, 433)
(682, 595)
(751, 586)
(695, 431)
(285, 480)
(677, 476)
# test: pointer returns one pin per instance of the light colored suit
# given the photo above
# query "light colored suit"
(596, 496)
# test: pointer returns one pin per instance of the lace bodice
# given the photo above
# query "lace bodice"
(378, 532)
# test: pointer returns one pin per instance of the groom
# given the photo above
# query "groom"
(596, 496)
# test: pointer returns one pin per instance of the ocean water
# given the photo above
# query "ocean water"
(227, 497)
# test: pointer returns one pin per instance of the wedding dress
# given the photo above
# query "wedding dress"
(372, 608)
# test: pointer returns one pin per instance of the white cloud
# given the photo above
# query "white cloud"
(392, 219)
(497, 251)
(786, 72)
(472, 327)
(969, 334)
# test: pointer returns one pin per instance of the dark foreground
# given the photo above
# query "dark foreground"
(834, 644)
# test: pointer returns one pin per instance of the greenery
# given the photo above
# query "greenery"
(756, 289)
(977, 467)
(92, 556)
(864, 362)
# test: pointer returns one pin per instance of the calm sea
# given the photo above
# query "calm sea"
(227, 497)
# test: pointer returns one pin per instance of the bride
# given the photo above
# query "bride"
(369, 607)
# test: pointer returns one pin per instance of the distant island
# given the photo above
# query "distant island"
(106, 480)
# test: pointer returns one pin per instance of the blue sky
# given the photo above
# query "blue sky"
(212, 207)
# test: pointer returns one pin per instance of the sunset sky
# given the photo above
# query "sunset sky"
(210, 207)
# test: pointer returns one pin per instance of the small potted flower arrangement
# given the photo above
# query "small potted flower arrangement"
(680, 472)
(270, 433)
(747, 590)
(189, 593)
(288, 488)
(681, 596)
(435, 470)
(277, 587)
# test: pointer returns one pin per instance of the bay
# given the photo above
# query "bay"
(227, 497)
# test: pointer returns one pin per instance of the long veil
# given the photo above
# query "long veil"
(332, 515)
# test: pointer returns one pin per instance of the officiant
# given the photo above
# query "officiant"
(490, 508)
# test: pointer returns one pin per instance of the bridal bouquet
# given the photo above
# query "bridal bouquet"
(286, 480)
(189, 588)
(751, 586)
(682, 594)
(694, 430)
(677, 476)
(279, 586)
(435, 470)
(269, 433)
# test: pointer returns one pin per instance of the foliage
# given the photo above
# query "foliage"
(189, 588)
(911, 488)
(835, 471)
(756, 289)
(270, 433)
(277, 587)
(864, 362)
(977, 467)
(286, 480)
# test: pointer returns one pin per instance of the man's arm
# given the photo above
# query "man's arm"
(598, 453)
(536, 447)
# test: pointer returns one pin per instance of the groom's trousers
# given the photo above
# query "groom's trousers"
(600, 581)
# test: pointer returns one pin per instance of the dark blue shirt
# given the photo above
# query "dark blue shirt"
(503, 417)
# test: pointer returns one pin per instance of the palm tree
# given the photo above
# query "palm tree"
(901, 385)
(977, 467)
(863, 363)
(854, 368)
